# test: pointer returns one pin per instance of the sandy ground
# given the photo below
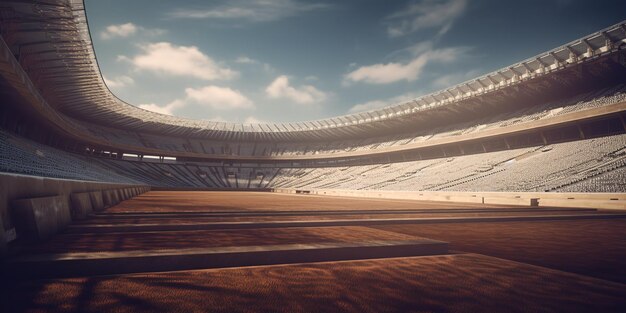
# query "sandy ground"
(210, 238)
(202, 219)
(590, 247)
(539, 266)
(194, 201)
(456, 283)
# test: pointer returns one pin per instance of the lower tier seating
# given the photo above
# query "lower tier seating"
(593, 165)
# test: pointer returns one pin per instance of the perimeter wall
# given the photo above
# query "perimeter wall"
(15, 186)
(614, 201)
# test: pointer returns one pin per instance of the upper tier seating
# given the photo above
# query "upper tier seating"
(606, 96)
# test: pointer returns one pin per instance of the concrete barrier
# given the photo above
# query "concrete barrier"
(81, 205)
(584, 203)
(121, 195)
(115, 195)
(512, 200)
(97, 202)
(40, 218)
(17, 186)
(107, 199)
(113, 262)
(3, 239)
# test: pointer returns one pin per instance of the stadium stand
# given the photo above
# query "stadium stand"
(494, 133)
(509, 170)
(30, 158)
(565, 107)
(589, 100)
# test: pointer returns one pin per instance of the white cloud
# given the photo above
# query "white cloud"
(248, 61)
(389, 72)
(215, 119)
(167, 58)
(245, 60)
(250, 10)
(396, 71)
(425, 14)
(419, 48)
(253, 120)
(119, 81)
(123, 58)
(449, 80)
(219, 98)
(167, 109)
(153, 31)
(120, 30)
(381, 103)
(280, 88)
(213, 97)
(127, 30)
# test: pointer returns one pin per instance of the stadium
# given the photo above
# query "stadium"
(506, 192)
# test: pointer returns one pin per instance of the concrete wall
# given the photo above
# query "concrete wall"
(81, 205)
(14, 187)
(97, 203)
(616, 201)
(37, 219)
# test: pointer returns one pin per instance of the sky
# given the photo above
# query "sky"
(256, 61)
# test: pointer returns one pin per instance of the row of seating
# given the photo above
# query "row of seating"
(542, 168)
(553, 167)
(597, 98)
(31, 158)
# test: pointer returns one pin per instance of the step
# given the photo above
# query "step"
(108, 263)
(136, 214)
(106, 228)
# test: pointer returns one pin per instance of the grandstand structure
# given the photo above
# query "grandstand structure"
(546, 131)
(566, 104)
(55, 95)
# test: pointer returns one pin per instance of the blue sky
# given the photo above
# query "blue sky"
(293, 60)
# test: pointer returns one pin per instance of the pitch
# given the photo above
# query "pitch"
(312, 253)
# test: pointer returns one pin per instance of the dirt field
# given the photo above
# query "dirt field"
(210, 238)
(564, 265)
(193, 201)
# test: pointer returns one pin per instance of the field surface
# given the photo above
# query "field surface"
(303, 253)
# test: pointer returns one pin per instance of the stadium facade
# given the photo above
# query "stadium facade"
(555, 122)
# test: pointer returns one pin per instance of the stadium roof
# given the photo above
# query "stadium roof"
(51, 41)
